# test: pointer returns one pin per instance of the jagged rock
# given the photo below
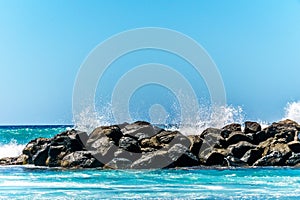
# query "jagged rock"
(121, 153)
(213, 131)
(284, 129)
(129, 144)
(34, 146)
(211, 157)
(118, 163)
(153, 160)
(228, 129)
(140, 130)
(39, 159)
(252, 127)
(294, 159)
(235, 162)
(196, 143)
(212, 140)
(21, 160)
(294, 146)
(83, 159)
(251, 156)
(151, 143)
(239, 149)
(113, 133)
(182, 157)
(55, 154)
(236, 137)
(215, 158)
(104, 148)
(282, 148)
(275, 158)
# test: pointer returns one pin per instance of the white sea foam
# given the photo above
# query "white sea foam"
(292, 111)
(11, 149)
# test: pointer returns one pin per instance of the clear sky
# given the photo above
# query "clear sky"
(254, 43)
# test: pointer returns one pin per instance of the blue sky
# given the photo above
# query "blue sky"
(255, 44)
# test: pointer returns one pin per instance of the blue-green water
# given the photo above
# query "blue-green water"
(28, 182)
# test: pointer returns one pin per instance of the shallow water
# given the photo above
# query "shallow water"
(40, 183)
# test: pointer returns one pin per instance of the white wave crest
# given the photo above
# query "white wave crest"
(216, 116)
(11, 149)
(292, 111)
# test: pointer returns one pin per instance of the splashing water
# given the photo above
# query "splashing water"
(292, 111)
(89, 119)
(11, 149)
(215, 116)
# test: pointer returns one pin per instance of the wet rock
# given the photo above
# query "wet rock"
(182, 157)
(153, 160)
(213, 157)
(294, 159)
(196, 143)
(113, 133)
(251, 156)
(235, 162)
(252, 127)
(80, 159)
(39, 159)
(129, 144)
(21, 160)
(151, 143)
(34, 146)
(227, 130)
(236, 137)
(118, 163)
(213, 131)
(140, 130)
(121, 153)
(294, 146)
(275, 158)
(239, 149)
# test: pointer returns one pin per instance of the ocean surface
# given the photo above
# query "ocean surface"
(29, 182)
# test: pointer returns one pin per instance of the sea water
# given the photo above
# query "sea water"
(30, 182)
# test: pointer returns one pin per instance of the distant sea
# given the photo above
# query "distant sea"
(29, 182)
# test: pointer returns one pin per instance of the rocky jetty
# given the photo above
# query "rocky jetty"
(141, 145)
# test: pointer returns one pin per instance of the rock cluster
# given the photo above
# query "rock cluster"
(141, 145)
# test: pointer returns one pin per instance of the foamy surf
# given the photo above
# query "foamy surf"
(292, 111)
(11, 149)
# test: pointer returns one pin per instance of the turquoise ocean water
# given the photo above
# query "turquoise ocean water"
(28, 182)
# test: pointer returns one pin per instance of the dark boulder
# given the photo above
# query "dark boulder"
(208, 131)
(129, 144)
(294, 146)
(80, 159)
(154, 160)
(275, 158)
(236, 137)
(39, 159)
(34, 146)
(196, 143)
(294, 159)
(182, 157)
(252, 127)
(251, 156)
(228, 129)
(113, 133)
(239, 149)
(140, 130)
